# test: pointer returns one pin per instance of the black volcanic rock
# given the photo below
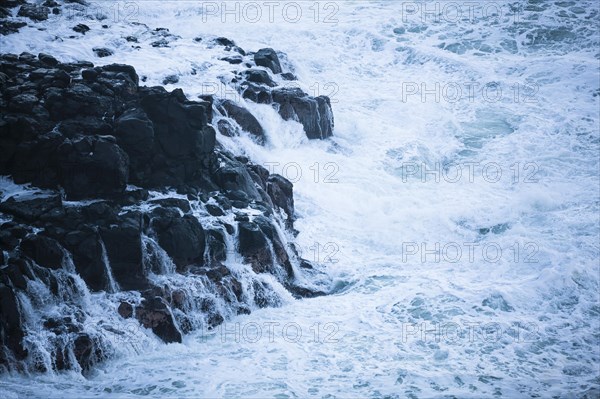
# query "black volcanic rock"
(254, 247)
(102, 52)
(81, 28)
(86, 247)
(154, 313)
(135, 134)
(8, 27)
(128, 172)
(11, 324)
(93, 166)
(123, 243)
(171, 79)
(232, 176)
(31, 209)
(245, 119)
(216, 247)
(257, 93)
(313, 112)
(258, 76)
(234, 59)
(280, 190)
(267, 57)
(44, 251)
(182, 237)
(223, 41)
(34, 12)
(47, 59)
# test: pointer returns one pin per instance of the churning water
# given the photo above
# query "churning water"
(455, 208)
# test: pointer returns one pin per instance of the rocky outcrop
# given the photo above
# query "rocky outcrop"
(258, 84)
(244, 119)
(154, 313)
(314, 113)
(267, 57)
(134, 199)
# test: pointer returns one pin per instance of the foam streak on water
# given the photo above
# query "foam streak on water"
(401, 324)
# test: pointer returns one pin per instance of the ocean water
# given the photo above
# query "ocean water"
(455, 209)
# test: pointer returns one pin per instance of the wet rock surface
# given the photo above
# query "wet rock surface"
(131, 200)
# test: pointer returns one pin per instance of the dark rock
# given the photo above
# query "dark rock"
(289, 76)
(257, 93)
(93, 167)
(245, 119)
(87, 351)
(34, 12)
(86, 247)
(8, 241)
(237, 195)
(233, 59)
(216, 247)
(259, 174)
(267, 57)
(171, 79)
(214, 210)
(23, 102)
(238, 50)
(254, 247)
(227, 129)
(181, 237)
(89, 74)
(299, 292)
(258, 76)
(131, 39)
(233, 176)
(44, 251)
(264, 295)
(180, 203)
(102, 52)
(85, 126)
(11, 323)
(90, 131)
(154, 313)
(81, 28)
(180, 125)
(125, 310)
(279, 250)
(31, 209)
(123, 68)
(47, 59)
(123, 243)
(160, 43)
(8, 27)
(281, 191)
(223, 41)
(76, 101)
(314, 113)
(135, 134)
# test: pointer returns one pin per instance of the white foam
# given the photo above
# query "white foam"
(372, 211)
